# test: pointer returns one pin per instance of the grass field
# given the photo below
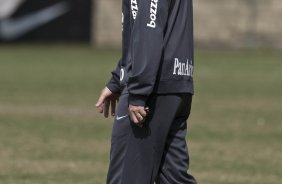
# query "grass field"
(50, 132)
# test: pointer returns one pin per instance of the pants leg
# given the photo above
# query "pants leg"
(121, 133)
(175, 161)
(136, 153)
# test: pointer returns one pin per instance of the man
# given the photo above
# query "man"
(154, 85)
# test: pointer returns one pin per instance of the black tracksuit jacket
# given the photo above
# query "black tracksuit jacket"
(157, 49)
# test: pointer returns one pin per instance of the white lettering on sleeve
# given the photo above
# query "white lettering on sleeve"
(153, 13)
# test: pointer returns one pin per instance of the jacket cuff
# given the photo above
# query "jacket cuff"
(113, 87)
(137, 100)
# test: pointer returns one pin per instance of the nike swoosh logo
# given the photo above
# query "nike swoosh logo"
(121, 117)
(11, 29)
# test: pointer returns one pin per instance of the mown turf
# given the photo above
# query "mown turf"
(50, 132)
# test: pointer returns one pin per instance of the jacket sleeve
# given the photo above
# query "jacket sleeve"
(146, 48)
(114, 82)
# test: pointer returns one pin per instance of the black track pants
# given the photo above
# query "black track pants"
(157, 152)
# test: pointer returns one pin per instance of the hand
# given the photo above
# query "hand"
(107, 99)
(138, 114)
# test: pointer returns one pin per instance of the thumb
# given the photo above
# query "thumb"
(100, 101)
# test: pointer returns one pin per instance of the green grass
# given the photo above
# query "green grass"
(50, 132)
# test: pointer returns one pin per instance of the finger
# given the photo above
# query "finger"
(101, 108)
(113, 107)
(142, 112)
(133, 117)
(139, 117)
(106, 108)
(100, 103)
(100, 100)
